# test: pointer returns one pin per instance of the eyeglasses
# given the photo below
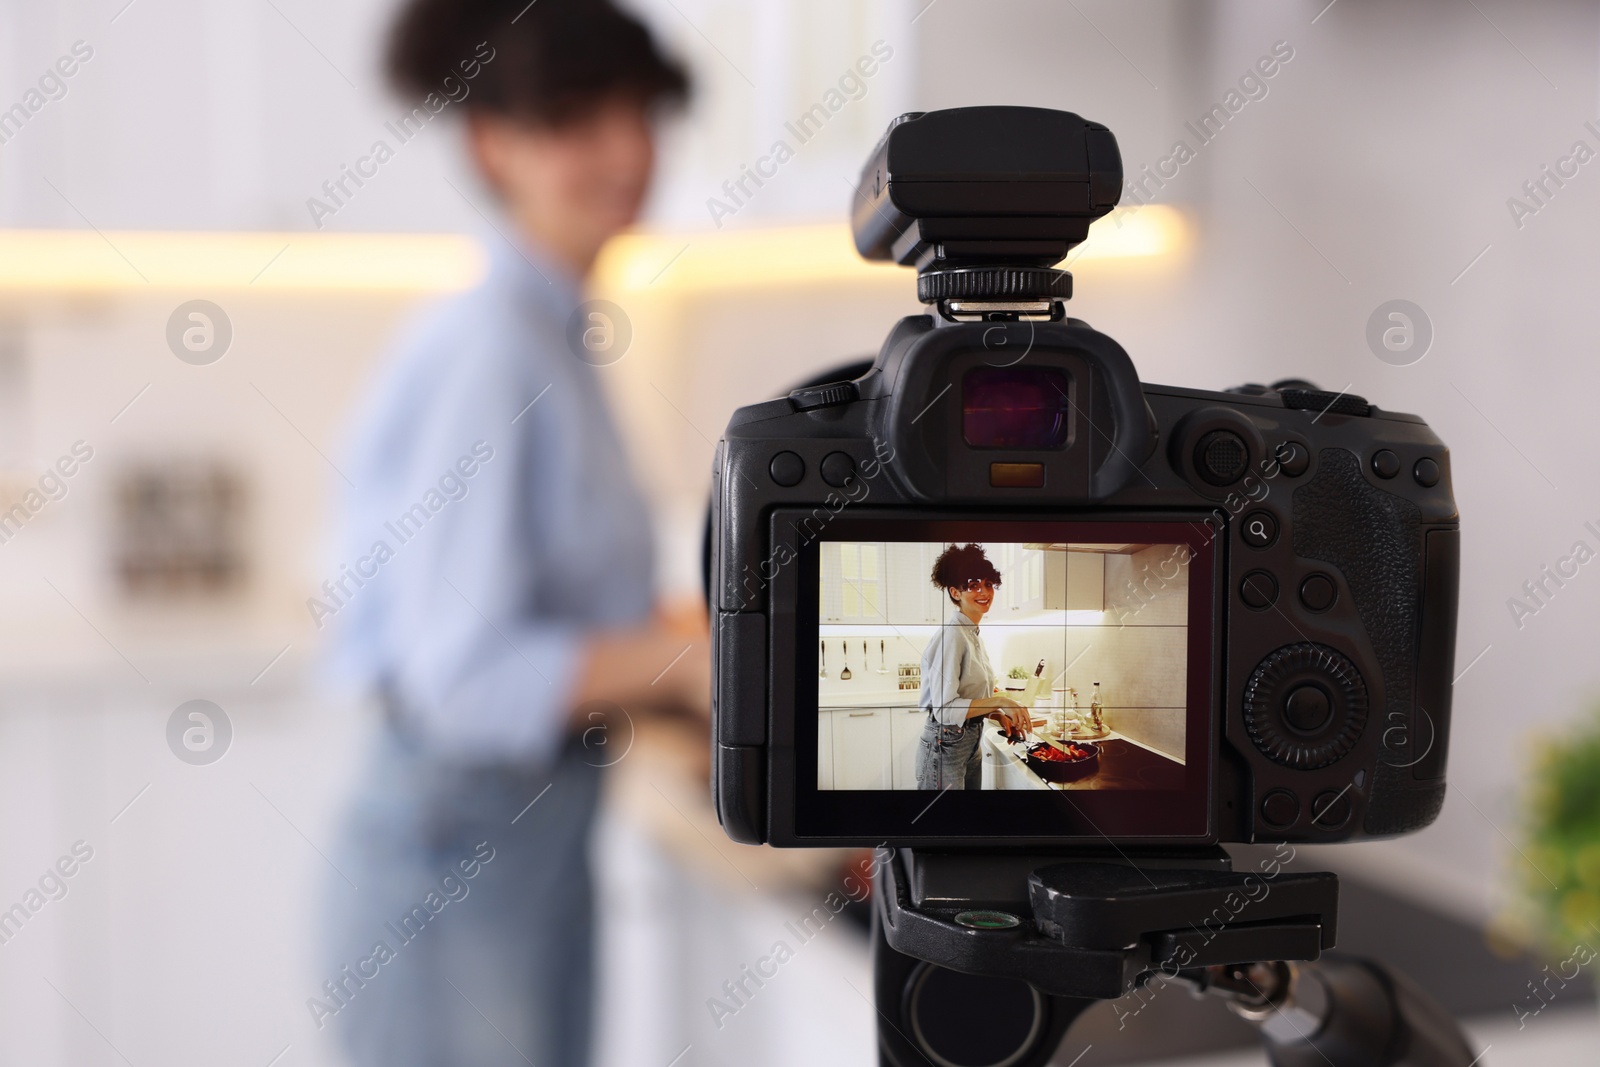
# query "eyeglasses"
(975, 584)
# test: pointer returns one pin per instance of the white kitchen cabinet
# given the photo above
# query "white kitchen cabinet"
(853, 585)
(1074, 581)
(825, 750)
(862, 745)
(912, 597)
(1001, 556)
(1086, 581)
(905, 735)
(1033, 578)
(1022, 578)
(904, 595)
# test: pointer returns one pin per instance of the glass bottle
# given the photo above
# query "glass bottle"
(1096, 709)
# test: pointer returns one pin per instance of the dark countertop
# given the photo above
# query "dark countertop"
(1123, 765)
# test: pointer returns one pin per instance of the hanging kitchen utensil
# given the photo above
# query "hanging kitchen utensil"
(844, 675)
(883, 666)
(824, 672)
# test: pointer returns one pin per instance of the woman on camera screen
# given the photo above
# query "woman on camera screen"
(958, 685)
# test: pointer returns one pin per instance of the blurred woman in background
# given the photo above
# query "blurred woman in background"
(510, 606)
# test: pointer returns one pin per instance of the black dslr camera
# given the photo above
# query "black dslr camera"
(1233, 612)
(1056, 635)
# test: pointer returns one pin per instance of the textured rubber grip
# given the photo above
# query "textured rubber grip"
(1374, 538)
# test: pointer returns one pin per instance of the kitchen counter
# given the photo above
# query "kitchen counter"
(1124, 764)
(874, 697)
(870, 698)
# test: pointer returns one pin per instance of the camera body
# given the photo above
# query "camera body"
(1273, 571)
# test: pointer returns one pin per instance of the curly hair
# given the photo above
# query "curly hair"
(958, 564)
(553, 60)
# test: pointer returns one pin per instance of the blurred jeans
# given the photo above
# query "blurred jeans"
(493, 969)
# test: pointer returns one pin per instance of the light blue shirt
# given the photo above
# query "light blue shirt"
(955, 671)
(489, 522)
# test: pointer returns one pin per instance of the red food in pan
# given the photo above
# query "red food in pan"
(1072, 760)
(1070, 753)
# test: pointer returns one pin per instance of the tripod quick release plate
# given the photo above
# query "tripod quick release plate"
(1090, 926)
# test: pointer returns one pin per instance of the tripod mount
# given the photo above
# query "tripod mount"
(984, 959)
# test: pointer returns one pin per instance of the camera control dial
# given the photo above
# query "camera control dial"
(1305, 706)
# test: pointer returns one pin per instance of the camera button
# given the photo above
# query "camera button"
(1221, 457)
(1259, 529)
(787, 468)
(837, 469)
(1293, 459)
(823, 396)
(1385, 464)
(1280, 808)
(1331, 810)
(1426, 472)
(1308, 709)
(1318, 593)
(1259, 590)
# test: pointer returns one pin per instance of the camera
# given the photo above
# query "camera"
(996, 592)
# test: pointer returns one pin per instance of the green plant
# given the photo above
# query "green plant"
(1016, 672)
(1560, 868)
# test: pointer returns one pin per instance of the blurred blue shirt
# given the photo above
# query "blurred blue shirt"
(489, 520)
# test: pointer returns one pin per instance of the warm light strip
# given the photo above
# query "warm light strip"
(83, 260)
(671, 263)
(798, 255)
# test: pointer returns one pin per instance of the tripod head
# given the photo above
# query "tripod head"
(1028, 941)
(1088, 925)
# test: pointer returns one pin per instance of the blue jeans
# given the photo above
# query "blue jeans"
(949, 757)
(495, 969)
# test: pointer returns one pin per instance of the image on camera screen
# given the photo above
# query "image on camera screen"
(1004, 664)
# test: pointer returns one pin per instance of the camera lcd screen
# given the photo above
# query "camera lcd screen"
(1007, 679)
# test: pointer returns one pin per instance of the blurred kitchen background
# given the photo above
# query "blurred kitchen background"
(1424, 152)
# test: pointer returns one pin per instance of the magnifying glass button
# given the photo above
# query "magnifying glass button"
(1259, 529)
